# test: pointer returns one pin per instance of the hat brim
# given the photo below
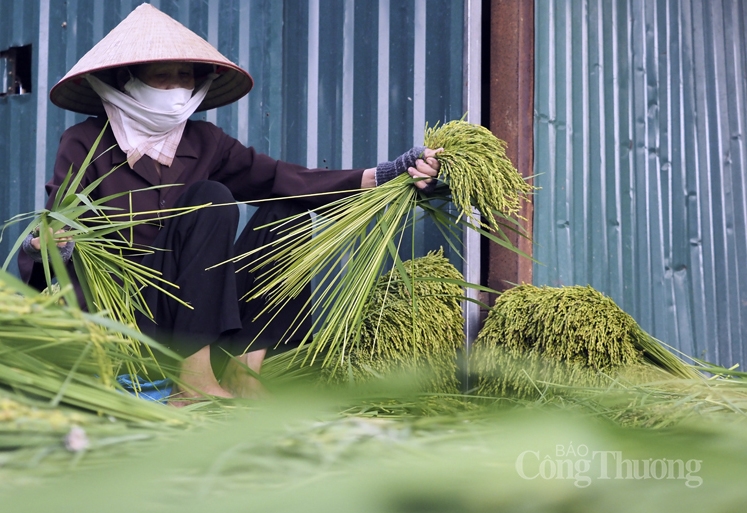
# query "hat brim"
(75, 94)
(147, 35)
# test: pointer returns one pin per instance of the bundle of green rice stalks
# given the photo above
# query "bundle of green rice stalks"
(70, 357)
(354, 238)
(543, 339)
(409, 327)
(111, 282)
(409, 330)
(475, 167)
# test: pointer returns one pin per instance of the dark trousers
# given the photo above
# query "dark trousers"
(189, 244)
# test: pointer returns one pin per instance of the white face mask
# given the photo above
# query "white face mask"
(163, 100)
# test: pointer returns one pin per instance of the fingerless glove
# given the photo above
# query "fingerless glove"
(66, 252)
(386, 171)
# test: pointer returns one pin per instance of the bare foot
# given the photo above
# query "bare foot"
(239, 382)
(184, 396)
(197, 381)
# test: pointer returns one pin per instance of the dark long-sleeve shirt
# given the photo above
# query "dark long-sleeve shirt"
(205, 153)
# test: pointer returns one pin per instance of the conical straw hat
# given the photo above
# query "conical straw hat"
(148, 35)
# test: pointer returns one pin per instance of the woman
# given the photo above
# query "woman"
(147, 77)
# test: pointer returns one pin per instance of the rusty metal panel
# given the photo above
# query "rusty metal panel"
(511, 107)
(640, 154)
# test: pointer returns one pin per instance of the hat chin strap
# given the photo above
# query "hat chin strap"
(143, 130)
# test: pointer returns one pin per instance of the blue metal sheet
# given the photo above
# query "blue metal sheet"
(640, 154)
(295, 80)
(365, 90)
(17, 122)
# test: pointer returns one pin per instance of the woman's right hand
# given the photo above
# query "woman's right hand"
(61, 242)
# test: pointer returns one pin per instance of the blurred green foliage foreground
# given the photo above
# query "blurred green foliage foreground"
(72, 440)
(382, 450)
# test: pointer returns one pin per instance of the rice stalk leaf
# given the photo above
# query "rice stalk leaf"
(63, 387)
(72, 200)
(19, 241)
(68, 194)
(64, 220)
(394, 253)
(64, 185)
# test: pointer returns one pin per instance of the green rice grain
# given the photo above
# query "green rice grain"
(478, 172)
(417, 334)
(540, 338)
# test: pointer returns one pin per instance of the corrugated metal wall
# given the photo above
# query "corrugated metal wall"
(338, 83)
(18, 134)
(641, 155)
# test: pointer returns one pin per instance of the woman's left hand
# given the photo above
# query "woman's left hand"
(426, 168)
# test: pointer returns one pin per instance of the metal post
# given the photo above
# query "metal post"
(472, 106)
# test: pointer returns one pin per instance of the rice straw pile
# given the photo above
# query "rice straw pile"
(413, 330)
(68, 356)
(540, 337)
